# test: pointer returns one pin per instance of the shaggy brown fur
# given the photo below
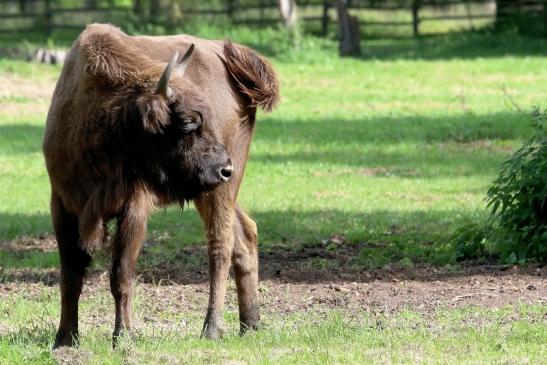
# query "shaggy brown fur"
(115, 148)
(253, 76)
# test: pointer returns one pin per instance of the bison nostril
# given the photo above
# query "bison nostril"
(226, 172)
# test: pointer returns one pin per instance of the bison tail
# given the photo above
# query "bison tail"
(93, 234)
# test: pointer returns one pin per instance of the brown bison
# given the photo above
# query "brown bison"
(134, 124)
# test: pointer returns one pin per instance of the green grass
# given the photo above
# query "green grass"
(395, 148)
(470, 335)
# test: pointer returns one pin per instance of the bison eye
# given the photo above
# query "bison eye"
(189, 122)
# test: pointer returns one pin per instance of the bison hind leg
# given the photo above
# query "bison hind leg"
(245, 261)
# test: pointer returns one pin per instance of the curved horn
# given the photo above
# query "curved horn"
(181, 67)
(163, 85)
(178, 66)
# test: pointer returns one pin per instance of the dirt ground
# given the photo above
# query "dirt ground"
(290, 283)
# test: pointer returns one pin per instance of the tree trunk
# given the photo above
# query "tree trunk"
(287, 8)
(349, 31)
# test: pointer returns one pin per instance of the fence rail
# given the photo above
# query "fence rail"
(262, 13)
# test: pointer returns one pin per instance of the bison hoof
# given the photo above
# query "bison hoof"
(122, 338)
(212, 333)
(212, 326)
(247, 326)
(66, 338)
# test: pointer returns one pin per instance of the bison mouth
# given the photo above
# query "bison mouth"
(180, 187)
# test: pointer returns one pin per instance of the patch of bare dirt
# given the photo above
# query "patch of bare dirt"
(24, 110)
(383, 292)
(47, 277)
(71, 356)
(479, 145)
(370, 172)
(28, 243)
(292, 281)
(30, 88)
(33, 95)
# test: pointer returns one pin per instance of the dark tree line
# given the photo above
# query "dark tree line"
(527, 16)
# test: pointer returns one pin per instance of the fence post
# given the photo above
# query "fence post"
(325, 18)
(416, 17)
(47, 18)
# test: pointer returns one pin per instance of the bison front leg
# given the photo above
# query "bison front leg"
(126, 247)
(74, 262)
(245, 260)
(218, 215)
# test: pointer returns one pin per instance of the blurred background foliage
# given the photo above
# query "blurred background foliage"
(61, 19)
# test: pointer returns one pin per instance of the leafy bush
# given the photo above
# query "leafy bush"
(516, 230)
(469, 242)
(518, 198)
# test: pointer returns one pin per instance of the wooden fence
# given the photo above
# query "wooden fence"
(47, 15)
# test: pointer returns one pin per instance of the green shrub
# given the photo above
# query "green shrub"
(469, 242)
(518, 199)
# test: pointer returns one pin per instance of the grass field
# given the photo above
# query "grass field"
(388, 153)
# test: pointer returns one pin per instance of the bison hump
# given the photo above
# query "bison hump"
(107, 54)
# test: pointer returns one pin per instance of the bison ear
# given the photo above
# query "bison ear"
(153, 112)
(253, 75)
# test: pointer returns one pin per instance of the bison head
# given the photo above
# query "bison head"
(173, 145)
